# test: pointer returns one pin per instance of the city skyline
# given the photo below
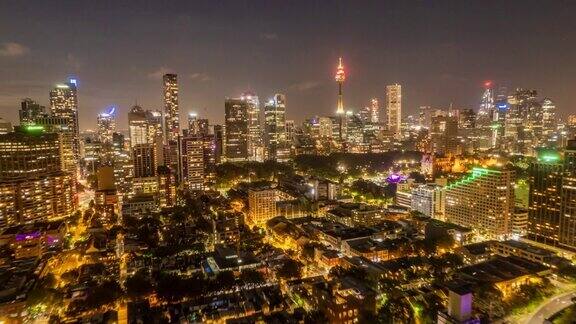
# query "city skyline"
(452, 71)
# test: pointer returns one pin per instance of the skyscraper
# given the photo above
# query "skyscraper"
(197, 126)
(33, 186)
(394, 108)
(64, 103)
(568, 197)
(275, 127)
(237, 130)
(483, 201)
(30, 111)
(255, 140)
(340, 78)
(548, 119)
(193, 162)
(374, 111)
(544, 203)
(106, 125)
(144, 126)
(171, 112)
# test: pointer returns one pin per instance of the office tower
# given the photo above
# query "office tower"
(64, 103)
(106, 195)
(106, 125)
(485, 114)
(255, 140)
(568, 197)
(144, 126)
(548, 119)
(340, 78)
(483, 201)
(171, 113)
(33, 186)
(122, 162)
(237, 130)
(219, 142)
(429, 200)
(166, 187)
(355, 134)
(5, 126)
(466, 119)
(61, 125)
(275, 127)
(197, 126)
(444, 134)
(394, 108)
(374, 111)
(424, 116)
(544, 203)
(144, 159)
(193, 162)
(29, 111)
(523, 122)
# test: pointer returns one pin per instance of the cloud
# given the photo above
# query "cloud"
(159, 73)
(269, 36)
(13, 50)
(201, 77)
(305, 85)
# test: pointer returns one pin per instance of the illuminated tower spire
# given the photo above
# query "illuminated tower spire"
(340, 78)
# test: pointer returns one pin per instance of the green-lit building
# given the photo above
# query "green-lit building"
(545, 181)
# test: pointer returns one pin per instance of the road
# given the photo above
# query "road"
(554, 305)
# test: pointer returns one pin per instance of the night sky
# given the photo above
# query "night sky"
(440, 51)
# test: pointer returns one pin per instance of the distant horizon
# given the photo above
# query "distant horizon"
(441, 53)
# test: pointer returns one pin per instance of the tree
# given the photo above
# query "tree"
(225, 279)
(290, 269)
(251, 276)
(315, 316)
(488, 300)
(138, 285)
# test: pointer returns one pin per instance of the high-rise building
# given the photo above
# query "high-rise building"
(61, 125)
(144, 157)
(255, 140)
(544, 203)
(394, 108)
(483, 201)
(275, 127)
(197, 126)
(429, 200)
(30, 111)
(374, 111)
(237, 130)
(523, 124)
(568, 198)
(262, 205)
(5, 126)
(444, 134)
(33, 186)
(64, 103)
(106, 125)
(193, 162)
(171, 112)
(144, 126)
(548, 120)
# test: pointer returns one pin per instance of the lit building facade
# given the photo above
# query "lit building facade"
(33, 185)
(544, 204)
(568, 196)
(483, 201)
(30, 111)
(394, 108)
(237, 130)
(171, 111)
(64, 103)
(275, 128)
(106, 122)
